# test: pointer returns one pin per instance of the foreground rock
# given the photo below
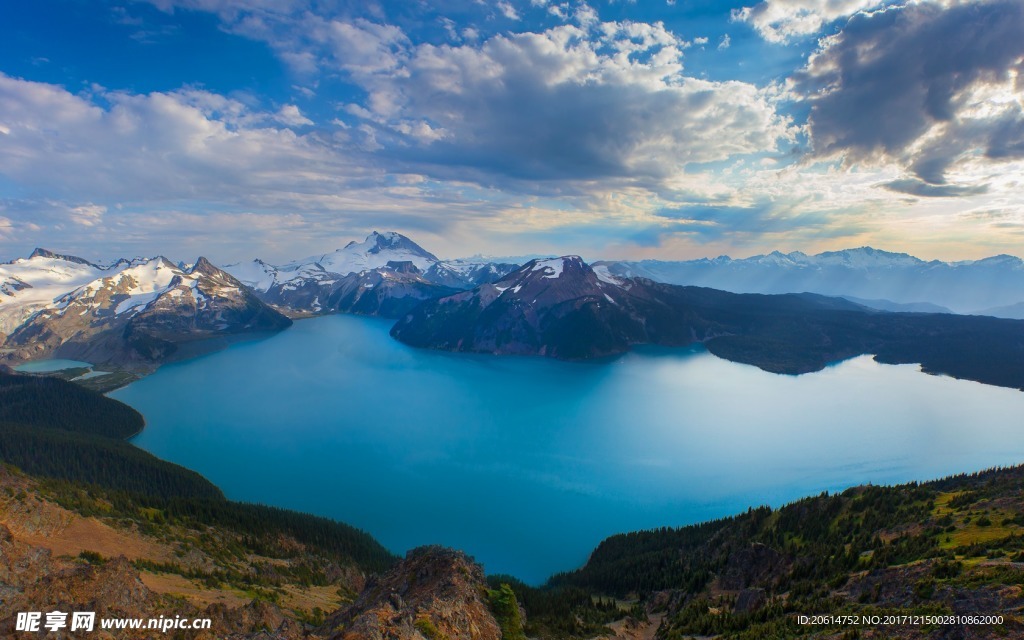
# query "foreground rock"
(433, 593)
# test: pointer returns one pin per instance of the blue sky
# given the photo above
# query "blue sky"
(283, 128)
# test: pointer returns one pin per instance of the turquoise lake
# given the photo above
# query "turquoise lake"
(527, 463)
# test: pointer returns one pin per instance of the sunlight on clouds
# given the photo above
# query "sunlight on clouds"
(540, 125)
(779, 21)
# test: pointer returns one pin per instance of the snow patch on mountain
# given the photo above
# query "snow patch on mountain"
(552, 268)
(604, 275)
(30, 284)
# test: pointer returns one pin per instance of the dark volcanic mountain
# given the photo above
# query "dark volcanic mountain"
(563, 308)
(558, 307)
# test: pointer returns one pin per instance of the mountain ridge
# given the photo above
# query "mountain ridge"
(386, 274)
(136, 313)
(965, 286)
(573, 311)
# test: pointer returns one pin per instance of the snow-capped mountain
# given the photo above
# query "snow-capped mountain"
(866, 273)
(559, 307)
(386, 274)
(30, 284)
(468, 272)
(131, 312)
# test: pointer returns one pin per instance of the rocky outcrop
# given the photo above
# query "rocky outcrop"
(434, 593)
(757, 565)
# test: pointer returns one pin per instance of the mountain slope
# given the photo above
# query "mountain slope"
(1014, 311)
(30, 284)
(387, 274)
(137, 314)
(558, 307)
(865, 272)
(563, 308)
(949, 547)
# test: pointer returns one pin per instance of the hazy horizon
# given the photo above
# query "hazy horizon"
(110, 259)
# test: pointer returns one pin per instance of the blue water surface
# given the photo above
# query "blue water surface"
(49, 366)
(527, 463)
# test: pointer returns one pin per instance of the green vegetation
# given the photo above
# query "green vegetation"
(505, 608)
(915, 549)
(559, 612)
(69, 435)
(427, 628)
(57, 404)
(96, 460)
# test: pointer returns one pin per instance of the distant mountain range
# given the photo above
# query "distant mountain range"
(135, 314)
(564, 308)
(972, 286)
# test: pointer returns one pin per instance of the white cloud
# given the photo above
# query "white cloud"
(783, 20)
(88, 215)
(569, 104)
(724, 42)
(508, 10)
(159, 146)
(290, 115)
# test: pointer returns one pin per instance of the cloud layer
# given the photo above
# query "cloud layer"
(566, 104)
(547, 124)
(780, 21)
(934, 89)
(187, 144)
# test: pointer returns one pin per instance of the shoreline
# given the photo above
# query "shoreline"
(735, 509)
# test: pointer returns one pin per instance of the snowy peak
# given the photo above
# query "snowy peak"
(30, 284)
(392, 241)
(555, 267)
(341, 280)
(257, 274)
(46, 253)
(133, 311)
(864, 272)
(548, 281)
(1001, 261)
(564, 271)
(470, 272)
(373, 253)
(867, 257)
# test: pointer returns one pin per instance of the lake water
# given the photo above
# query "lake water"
(527, 463)
(49, 366)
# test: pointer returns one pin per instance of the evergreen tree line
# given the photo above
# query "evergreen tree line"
(57, 404)
(55, 429)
